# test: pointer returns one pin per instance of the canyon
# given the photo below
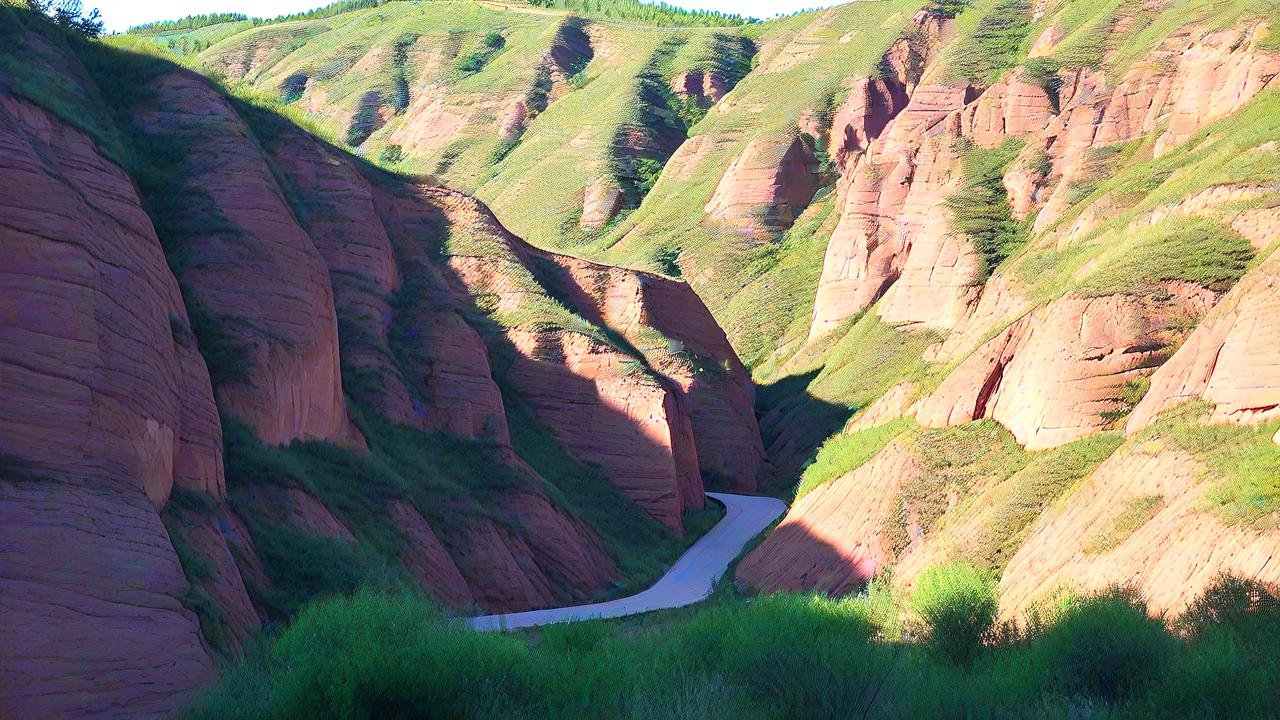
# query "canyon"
(387, 297)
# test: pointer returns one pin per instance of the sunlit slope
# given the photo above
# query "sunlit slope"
(535, 112)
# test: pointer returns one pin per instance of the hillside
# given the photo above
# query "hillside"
(246, 369)
(1051, 215)
(477, 299)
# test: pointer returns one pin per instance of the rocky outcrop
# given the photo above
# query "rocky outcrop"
(207, 533)
(501, 568)
(653, 416)
(603, 406)
(890, 197)
(873, 102)
(1171, 558)
(1231, 359)
(702, 87)
(1058, 374)
(602, 201)
(567, 552)
(285, 382)
(1052, 373)
(864, 114)
(895, 238)
(831, 539)
(1193, 79)
(884, 205)
(100, 368)
(691, 351)
(443, 369)
(109, 408)
(1217, 76)
(767, 186)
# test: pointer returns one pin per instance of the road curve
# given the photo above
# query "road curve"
(691, 579)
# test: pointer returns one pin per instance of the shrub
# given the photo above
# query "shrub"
(781, 656)
(1107, 646)
(292, 87)
(1243, 606)
(391, 154)
(957, 605)
(666, 258)
(365, 121)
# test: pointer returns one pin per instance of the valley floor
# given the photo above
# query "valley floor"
(691, 579)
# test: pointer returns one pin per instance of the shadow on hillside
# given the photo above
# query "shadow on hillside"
(793, 423)
(793, 558)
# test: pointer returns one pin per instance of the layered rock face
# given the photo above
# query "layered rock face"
(691, 351)
(705, 88)
(1231, 360)
(634, 427)
(831, 539)
(1052, 365)
(284, 336)
(314, 289)
(766, 187)
(1170, 559)
(688, 397)
(892, 228)
(110, 408)
(1057, 374)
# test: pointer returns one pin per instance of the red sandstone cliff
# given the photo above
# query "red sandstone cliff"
(317, 291)
(1051, 368)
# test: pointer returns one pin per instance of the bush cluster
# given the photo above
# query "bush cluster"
(377, 655)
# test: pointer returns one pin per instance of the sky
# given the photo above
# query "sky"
(121, 14)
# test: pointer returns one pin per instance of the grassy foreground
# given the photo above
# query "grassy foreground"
(938, 653)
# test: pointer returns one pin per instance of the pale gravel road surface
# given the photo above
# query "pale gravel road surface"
(691, 579)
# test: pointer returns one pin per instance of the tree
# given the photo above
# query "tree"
(70, 14)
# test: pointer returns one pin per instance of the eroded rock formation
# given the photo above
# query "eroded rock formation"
(767, 186)
(288, 289)
(1059, 373)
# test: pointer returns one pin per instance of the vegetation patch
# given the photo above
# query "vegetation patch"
(1123, 526)
(490, 45)
(980, 209)
(653, 13)
(1243, 460)
(957, 605)
(1198, 250)
(292, 87)
(954, 461)
(1005, 514)
(989, 40)
(378, 655)
(842, 454)
(400, 76)
(366, 120)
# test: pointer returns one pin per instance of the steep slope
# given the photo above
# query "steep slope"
(252, 370)
(1058, 223)
(1001, 210)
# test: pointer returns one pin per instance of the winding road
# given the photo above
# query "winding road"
(691, 579)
